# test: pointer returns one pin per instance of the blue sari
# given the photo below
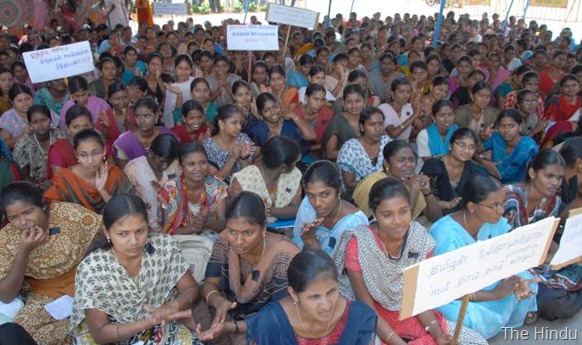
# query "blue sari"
(512, 168)
(328, 238)
(271, 326)
(488, 317)
(435, 143)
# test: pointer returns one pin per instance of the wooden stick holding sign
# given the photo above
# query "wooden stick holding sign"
(461, 319)
(286, 43)
(447, 277)
(249, 71)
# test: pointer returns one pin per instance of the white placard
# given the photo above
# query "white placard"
(252, 37)
(59, 62)
(444, 278)
(170, 9)
(61, 308)
(292, 16)
(570, 250)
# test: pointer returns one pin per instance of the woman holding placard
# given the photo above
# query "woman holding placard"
(372, 258)
(509, 302)
(559, 294)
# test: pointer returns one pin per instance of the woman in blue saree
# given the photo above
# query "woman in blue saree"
(510, 151)
(332, 319)
(323, 216)
(510, 302)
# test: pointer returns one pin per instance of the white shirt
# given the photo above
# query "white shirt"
(392, 118)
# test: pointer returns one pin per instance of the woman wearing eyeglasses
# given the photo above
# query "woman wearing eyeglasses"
(449, 173)
(505, 303)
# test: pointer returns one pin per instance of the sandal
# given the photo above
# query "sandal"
(531, 317)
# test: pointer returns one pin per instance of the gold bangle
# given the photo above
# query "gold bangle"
(210, 293)
(390, 336)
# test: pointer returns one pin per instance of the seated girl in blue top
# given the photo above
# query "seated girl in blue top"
(510, 151)
(329, 318)
(278, 121)
(510, 302)
(323, 216)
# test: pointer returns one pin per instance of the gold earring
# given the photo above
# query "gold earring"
(108, 240)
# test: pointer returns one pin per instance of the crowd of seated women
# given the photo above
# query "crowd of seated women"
(180, 197)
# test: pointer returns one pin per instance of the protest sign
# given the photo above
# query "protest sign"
(444, 278)
(570, 250)
(59, 62)
(170, 9)
(252, 37)
(293, 16)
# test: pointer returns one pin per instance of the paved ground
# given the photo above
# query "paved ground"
(366, 7)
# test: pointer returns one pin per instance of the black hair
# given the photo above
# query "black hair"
(306, 59)
(16, 90)
(340, 57)
(316, 69)
(394, 147)
(477, 189)
(480, 85)
(147, 102)
(165, 146)
(121, 206)
(418, 64)
(571, 151)
(249, 206)
(190, 148)
(43, 109)
(224, 113)
(276, 69)
(367, 113)
(154, 55)
(183, 57)
(511, 113)
(5, 70)
(399, 82)
(543, 159)
(115, 87)
(308, 266)
(355, 74)
(190, 105)
(353, 89)
(529, 75)
(568, 77)
(86, 135)
(280, 150)
(440, 80)
(464, 132)
(521, 94)
(78, 83)
(140, 82)
(438, 105)
(262, 99)
(313, 88)
(195, 82)
(322, 171)
(20, 191)
(75, 112)
(238, 84)
(129, 48)
(104, 60)
(386, 189)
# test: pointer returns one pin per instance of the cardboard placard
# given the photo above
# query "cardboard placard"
(170, 9)
(444, 278)
(59, 62)
(570, 250)
(288, 15)
(252, 37)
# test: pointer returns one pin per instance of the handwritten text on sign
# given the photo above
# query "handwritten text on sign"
(447, 277)
(570, 250)
(252, 37)
(59, 62)
(170, 9)
(292, 16)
